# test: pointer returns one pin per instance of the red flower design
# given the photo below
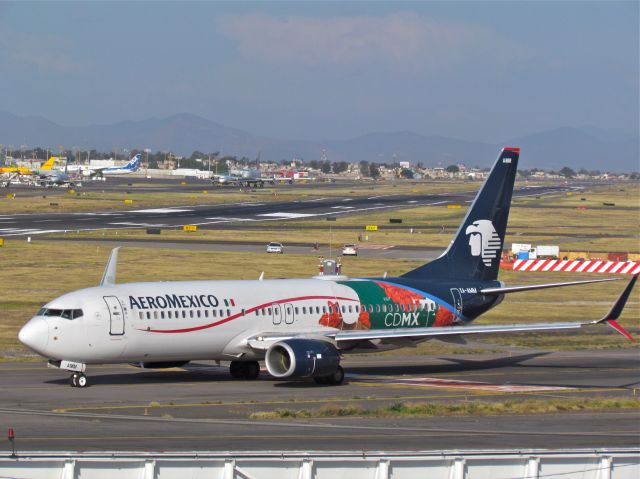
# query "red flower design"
(400, 295)
(333, 318)
(444, 317)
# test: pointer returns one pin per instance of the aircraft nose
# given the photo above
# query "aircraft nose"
(35, 334)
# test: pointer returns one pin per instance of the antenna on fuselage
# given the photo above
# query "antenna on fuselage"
(261, 276)
(109, 275)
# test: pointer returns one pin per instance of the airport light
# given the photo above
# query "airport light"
(11, 437)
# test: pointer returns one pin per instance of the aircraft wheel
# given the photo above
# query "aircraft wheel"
(251, 370)
(336, 378)
(321, 380)
(81, 381)
(73, 380)
(235, 369)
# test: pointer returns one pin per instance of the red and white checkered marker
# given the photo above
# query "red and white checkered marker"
(576, 266)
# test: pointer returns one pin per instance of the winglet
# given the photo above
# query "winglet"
(109, 275)
(616, 310)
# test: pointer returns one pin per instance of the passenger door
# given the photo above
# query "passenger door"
(116, 316)
(457, 300)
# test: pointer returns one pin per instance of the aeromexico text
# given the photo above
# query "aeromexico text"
(173, 301)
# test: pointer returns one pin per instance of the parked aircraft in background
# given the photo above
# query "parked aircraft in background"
(132, 166)
(244, 177)
(299, 327)
(24, 170)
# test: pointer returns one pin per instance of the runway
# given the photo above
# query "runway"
(200, 407)
(213, 216)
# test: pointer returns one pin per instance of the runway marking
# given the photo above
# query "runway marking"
(343, 207)
(153, 225)
(375, 246)
(223, 218)
(458, 384)
(163, 210)
(288, 215)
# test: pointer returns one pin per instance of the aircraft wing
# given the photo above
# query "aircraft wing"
(263, 342)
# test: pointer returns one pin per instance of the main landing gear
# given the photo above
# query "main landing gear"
(333, 379)
(78, 380)
(244, 369)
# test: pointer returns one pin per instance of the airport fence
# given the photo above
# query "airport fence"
(621, 463)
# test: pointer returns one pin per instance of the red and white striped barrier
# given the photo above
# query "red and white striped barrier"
(577, 266)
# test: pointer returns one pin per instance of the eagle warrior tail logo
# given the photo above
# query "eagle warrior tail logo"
(484, 240)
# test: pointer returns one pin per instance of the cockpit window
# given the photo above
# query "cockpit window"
(61, 313)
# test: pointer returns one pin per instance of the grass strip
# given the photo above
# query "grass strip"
(475, 408)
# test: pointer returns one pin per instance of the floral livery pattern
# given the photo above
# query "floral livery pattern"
(394, 305)
(334, 319)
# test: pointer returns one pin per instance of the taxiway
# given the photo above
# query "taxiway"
(200, 407)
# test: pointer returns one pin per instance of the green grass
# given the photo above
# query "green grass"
(474, 408)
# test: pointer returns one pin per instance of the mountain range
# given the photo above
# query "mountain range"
(584, 147)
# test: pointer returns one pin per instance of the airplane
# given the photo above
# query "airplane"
(299, 327)
(100, 172)
(24, 170)
(245, 177)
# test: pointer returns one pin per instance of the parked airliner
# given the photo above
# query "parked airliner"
(132, 166)
(299, 327)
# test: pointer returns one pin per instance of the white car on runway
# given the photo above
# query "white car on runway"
(275, 248)
(350, 250)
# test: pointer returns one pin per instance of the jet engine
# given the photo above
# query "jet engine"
(303, 358)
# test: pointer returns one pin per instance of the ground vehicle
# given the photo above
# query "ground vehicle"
(349, 250)
(274, 247)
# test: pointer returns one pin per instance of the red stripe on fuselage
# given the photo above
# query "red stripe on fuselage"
(247, 311)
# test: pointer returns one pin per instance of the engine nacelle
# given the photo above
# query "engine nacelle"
(302, 358)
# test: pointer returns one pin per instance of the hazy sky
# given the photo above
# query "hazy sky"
(472, 70)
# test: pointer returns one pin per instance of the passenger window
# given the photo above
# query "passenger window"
(161, 314)
(191, 313)
(242, 311)
(148, 315)
(214, 313)
(199, 314)
(324, 309)
(357, 308)
(377, 308)
(206, 313)
(169, 315)
(228, 312)
(184, 314)
(141, 314)
(350, 309)
(155, 315)
(269, 311)
(296, 309)
(317, 309)
(304, 310)
(344, 308)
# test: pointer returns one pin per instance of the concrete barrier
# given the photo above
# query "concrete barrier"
(619, 463)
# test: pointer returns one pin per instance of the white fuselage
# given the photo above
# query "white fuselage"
(165, 321)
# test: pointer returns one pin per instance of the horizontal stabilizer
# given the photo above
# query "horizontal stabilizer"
(516, 289)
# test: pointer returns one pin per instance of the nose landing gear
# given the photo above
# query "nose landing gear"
(78, 380)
